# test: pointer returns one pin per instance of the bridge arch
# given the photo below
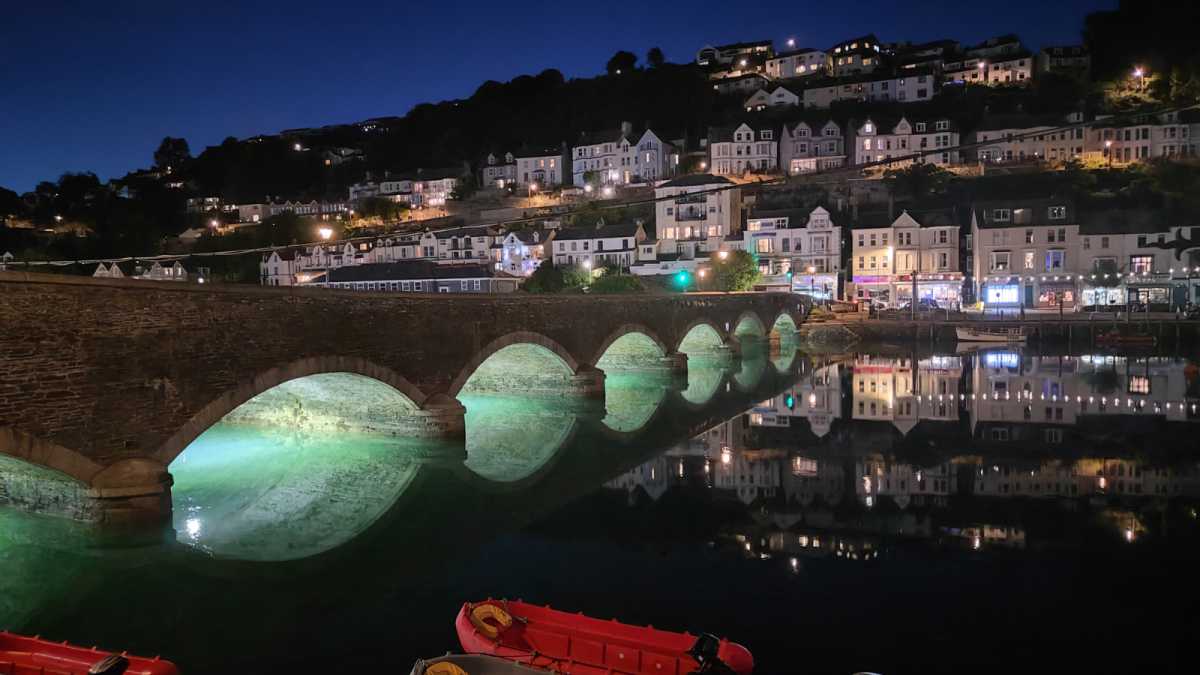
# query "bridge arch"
(38, 452)
(700, 335)
(516, 347)
(630, 341)
(749, 324)
(266, 381)
(784, 323)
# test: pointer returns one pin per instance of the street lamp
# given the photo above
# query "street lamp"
(1141, 77)
(791, 42)
(607, 191)
(325, 232)
(1108, 152)
(532, 189)
(982, 67)
(703, 166)
(588, 188)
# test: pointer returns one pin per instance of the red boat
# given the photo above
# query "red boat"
(20, 655)
(575, 644)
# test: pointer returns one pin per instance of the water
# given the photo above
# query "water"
(890, 511)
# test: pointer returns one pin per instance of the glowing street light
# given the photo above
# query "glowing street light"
(325, 232)
(213, 223)
(297, 147)
(791, 42)
(723, 255)
(703, 165)
(588, 188)
(607, 191)
(742, 63)
(587, 264)
(58, 219)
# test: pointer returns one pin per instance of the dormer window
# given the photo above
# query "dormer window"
(1057, 212)
(1001, 215)
(920, 127)
(766, 134)
(868, 128)
(942, 125)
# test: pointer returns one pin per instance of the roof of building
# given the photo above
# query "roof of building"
(725, 134)
(605, 136)
(600, 231)
(1018, 121)
(794, 52)
(869, 37)
(473, 231)
(537, 152)
(1023, 212)
(744, 45)
(408, 270)
(796, 217)
(1124, 221)
(696, 179)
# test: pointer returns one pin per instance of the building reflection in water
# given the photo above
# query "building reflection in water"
(946, 450)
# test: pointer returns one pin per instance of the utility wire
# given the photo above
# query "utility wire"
(762, 183)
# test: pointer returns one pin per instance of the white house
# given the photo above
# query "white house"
(1026, 253)
(278, 268)
(498, 170)
(854, 56)
(650, 158)
(597, 157)
(541, 168)
(103, 271)
(796, 63)
(996, 61)
(762, 99)
(417, 276)
(887, 139)
(731, 53)
(694, 214)
(745, 148)
(885, 255)
(1137, 139)
(593, 247)
(810, 146)
(520, 252)
(744, 83)
(1018, 138)
(910, 86)
(806, 245)
(1130, 256)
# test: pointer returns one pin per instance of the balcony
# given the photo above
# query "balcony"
(689, 215)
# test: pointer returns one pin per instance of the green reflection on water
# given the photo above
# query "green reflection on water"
(631, 398)
(261, 493)
(510, 438)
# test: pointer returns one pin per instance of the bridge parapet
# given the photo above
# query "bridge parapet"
(98, 372)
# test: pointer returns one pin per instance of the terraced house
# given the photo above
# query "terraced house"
(745, 148)
(878, 139)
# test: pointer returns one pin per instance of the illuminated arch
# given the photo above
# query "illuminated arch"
(513, 344)
(632, 338)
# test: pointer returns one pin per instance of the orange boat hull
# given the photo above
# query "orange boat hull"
(20, 655)
(579, 645)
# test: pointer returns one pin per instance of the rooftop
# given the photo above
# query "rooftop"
(408, 270)
(696, 179)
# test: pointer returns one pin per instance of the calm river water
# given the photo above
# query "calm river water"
(897, 512)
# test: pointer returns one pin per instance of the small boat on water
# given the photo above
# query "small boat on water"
(472, 664)
(973, 334)
(20, 655)
(575, 644)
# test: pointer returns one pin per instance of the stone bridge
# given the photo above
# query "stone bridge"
(107, 381)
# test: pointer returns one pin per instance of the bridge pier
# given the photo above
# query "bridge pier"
(587, 382)
(133, 492)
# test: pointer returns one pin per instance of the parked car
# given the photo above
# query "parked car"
(923, 305)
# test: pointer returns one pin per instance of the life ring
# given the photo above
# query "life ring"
(489, 611)
(444, 668)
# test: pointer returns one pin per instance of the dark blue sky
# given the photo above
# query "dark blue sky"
(94, 86)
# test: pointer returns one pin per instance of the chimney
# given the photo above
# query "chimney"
(627, 128)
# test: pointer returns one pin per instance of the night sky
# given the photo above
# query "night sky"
(90, 86)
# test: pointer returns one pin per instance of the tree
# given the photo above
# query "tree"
(621, 62)
(618, 283)
(737, 272)
(10, 204)
(655, 57)
(463, 189)
(576, 276)
(171, 153)
(545, 279)
(918, 181)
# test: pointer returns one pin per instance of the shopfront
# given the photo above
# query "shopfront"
(945, 289)
(873, 287)
(1055, 294)
(1001, 292)
(1101, 298)
(819, 286)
